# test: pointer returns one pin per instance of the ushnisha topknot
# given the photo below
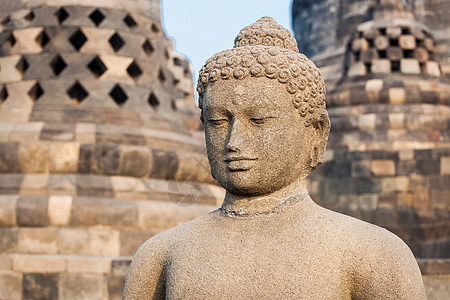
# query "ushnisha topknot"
(266, 48)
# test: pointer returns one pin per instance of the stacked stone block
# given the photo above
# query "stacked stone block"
(323, 29)
(97, 152)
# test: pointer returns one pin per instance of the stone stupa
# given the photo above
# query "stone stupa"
(96, 151)
(388, 155)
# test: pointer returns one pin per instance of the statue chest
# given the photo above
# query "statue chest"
(255, 267)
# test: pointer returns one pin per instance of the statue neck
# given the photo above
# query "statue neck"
(250, 207)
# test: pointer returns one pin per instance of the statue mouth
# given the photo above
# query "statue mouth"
(239, 163)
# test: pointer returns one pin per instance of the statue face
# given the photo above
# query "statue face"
(255, 138)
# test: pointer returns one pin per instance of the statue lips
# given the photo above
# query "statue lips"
(239, 163)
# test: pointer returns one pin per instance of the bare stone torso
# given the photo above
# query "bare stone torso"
(254, 258)
(302, 252)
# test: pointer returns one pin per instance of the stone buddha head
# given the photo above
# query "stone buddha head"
(263, 107)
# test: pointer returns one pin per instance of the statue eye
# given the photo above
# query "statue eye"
(217, 122)
(259, 121)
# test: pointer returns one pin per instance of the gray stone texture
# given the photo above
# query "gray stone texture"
(266, 129)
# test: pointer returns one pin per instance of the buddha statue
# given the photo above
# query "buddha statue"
(266, 127)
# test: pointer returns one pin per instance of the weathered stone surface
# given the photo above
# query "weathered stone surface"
(39, 264)
(11, 286)
(382, 167)
(115, 286)
(136, 162)
(409, 66)
(81, 286)
(40, 286)
(8, 210)
(63, 157)
(165, 164)
(445, 165)
(32, 211)
(8, 239)
(9, 159)
(59, 210)
(407, 42)
(89, 265)
(130, 241)
(5, 263)
(382, 66)
(37, 240)
(34, 158)
(108, 212)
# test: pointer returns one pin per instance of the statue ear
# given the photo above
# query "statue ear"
(321, 132)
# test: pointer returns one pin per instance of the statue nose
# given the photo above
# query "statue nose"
(236, 136)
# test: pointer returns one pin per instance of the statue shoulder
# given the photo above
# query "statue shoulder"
(381, 264)
(146, 275)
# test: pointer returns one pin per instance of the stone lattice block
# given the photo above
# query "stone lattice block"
(357, 69)
(407, 42)
(9, 72)
(19, 109)
(409, 66)
(394, 53)
(432, 68)
(381, 66)
(117, 68)
(393, 32)
(23, 38)
(360, 44)
(381, 42)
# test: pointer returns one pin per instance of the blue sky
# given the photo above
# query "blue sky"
(201, 28)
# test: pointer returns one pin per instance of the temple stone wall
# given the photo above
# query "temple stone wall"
(323, 28)
(388, 96)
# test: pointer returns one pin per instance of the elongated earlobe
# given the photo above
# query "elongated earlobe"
(322, 130)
